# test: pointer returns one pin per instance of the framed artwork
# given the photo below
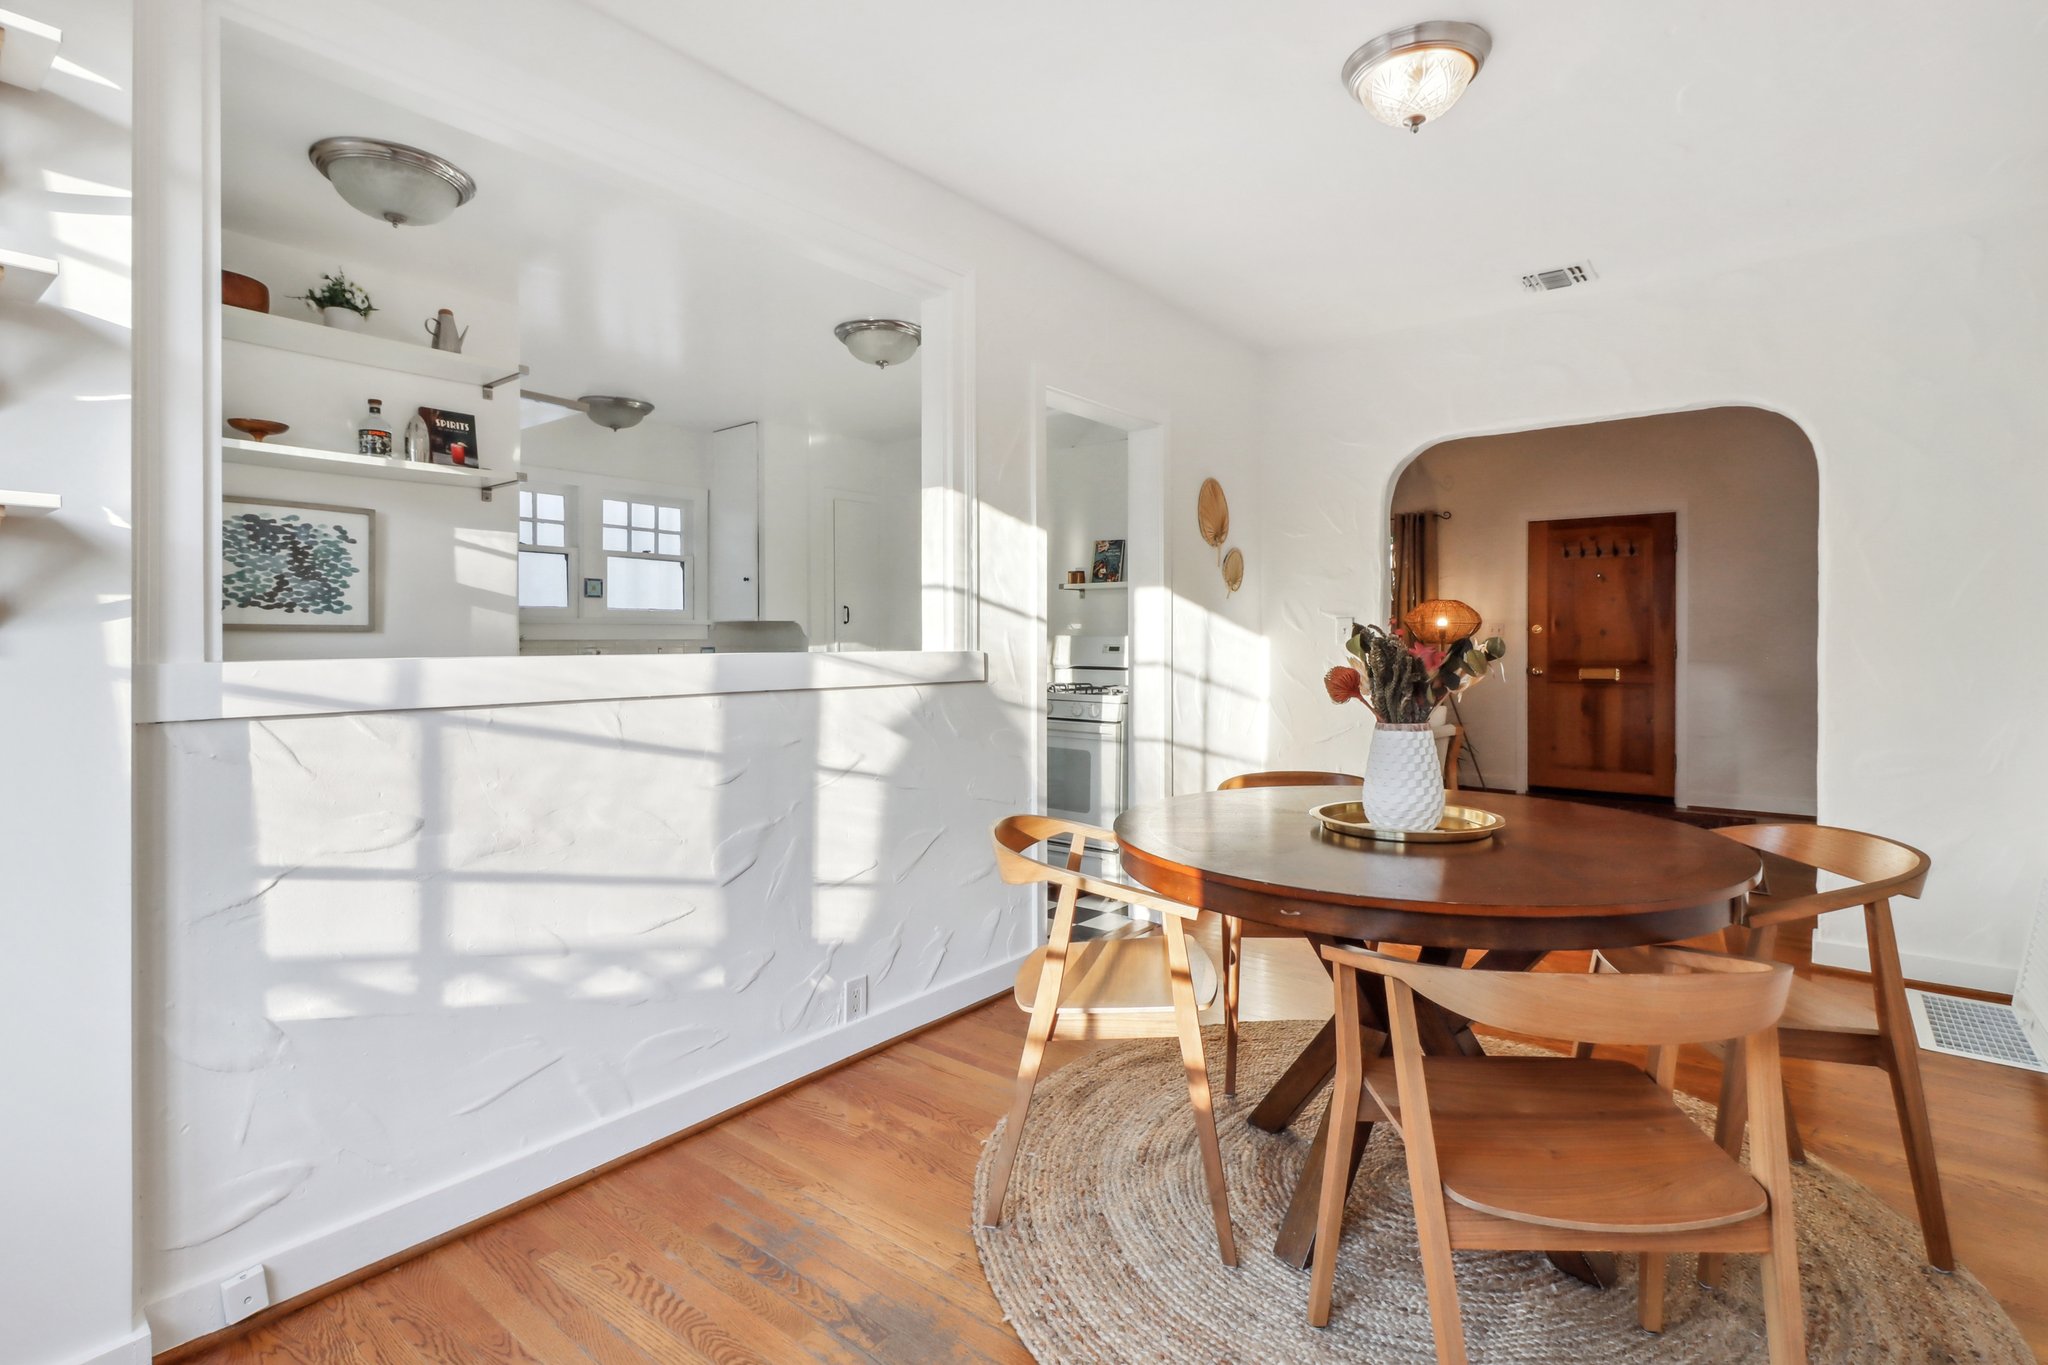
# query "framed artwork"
(1109, 562)
(296, 566)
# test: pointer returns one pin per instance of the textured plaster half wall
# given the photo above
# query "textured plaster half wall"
(395, 949)
(1914, 366)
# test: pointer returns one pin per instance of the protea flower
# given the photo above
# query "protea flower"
(1343, 684)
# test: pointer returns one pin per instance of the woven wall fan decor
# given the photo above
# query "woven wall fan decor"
(1212, 513)
(1233, 570)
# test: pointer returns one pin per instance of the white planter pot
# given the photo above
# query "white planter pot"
(343, 319)
(1404, 786)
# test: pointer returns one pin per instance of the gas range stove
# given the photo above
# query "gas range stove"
(1085, 689)
(1090, 677)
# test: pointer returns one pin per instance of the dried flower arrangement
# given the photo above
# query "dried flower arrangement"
(1402, 680)
(339, 291)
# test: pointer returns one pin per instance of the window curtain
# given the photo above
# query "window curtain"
(1414, 560)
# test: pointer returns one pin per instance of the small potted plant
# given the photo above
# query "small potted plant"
(342, 302)
(1401, 680)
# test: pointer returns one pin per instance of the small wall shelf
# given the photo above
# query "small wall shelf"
(358, 348)
(305, 460)
(24, 278)
(18, 504)
(1099, 587)
(26, 50)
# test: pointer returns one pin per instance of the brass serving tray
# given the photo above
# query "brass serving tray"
(1460, 825)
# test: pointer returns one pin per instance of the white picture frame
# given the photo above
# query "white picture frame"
(264, 545)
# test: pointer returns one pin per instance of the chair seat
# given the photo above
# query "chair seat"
(1826, 1008)
(1118, 975)
(1588, 1145)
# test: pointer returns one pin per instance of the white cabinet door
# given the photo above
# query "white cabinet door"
(736, 523)
(858, 602)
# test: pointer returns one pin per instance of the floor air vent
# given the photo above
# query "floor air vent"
(1564, 277)
(1978, 1029)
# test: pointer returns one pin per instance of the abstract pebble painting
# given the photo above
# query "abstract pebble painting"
(295, 566)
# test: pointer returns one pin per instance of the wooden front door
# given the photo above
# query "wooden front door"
(1603, 654)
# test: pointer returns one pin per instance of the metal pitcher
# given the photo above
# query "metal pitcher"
(441, 327)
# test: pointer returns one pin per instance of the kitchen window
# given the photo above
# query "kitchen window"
(546, 561)
(647, 564)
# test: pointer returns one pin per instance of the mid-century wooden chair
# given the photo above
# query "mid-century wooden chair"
(1565, 1154)
(1236, 931)
(1824, 1025)
(1132, 986)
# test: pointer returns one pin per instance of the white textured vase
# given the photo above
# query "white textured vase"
(1404, 787)
(342, 319)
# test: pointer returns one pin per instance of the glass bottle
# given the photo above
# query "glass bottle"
(373, 433)
(417, 448)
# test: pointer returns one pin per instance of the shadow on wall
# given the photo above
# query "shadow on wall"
(1745, 486)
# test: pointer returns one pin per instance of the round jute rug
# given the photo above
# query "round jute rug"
(1108, 1252)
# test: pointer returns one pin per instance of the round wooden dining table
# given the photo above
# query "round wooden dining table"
(1558, 875)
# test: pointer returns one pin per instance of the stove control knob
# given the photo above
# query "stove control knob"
(1094, 710)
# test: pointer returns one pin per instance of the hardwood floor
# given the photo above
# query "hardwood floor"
(831, 1223)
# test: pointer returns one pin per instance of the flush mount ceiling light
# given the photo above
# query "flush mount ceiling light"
(402, 185)
(617, 413)
(1412, 76)
(880, 342)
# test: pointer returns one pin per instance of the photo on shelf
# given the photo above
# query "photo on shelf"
(1109, 562)
(296, 566)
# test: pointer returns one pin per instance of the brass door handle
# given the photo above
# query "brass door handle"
(1535, 672)
(1599, 675)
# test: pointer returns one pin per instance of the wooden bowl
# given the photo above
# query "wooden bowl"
(239, 291)
(256, 428)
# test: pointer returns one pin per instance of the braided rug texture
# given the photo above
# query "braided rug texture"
(1108, 1253)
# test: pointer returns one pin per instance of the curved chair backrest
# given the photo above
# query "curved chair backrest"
(1015, 835)
(1656, 995)
(1289, 778)
(1880, 867)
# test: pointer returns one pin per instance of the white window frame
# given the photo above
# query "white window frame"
(691, 502)
(570, 526)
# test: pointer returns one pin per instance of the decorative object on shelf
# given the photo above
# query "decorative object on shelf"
(342, 302)
(258, 428)
(1233, 570)
(880, 342)
(244, 291)
(613, 412)
(451, 437)
(418, 446)
(1459, 825)
(1441, 621)
(1212, 514)
(296, 566)
(1109, 562)
(27, 48)
(402, 185)
(1077, 575)
(1401, 680)
(1413, 75)
(441, 327)
(373, 431)
(25, 278)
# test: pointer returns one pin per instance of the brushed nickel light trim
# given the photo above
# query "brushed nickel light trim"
(325, 153)
(877, 341)
(1472, 40)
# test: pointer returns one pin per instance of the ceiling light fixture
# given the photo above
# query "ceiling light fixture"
(880, 342)
(1413, 76)
(404, 186)
(608, 410)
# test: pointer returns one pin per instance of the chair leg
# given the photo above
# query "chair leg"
(1902, 1064)
(1233, 961)
(1045, 1010)
(1188, 1024)
(1784, 1331)
(1728, 1132)
(1340, 1145)
(1792, 1141)
(1650, 1290)
(1769, 1163)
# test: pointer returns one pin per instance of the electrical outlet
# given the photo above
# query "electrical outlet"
(856, 999)
(243, 1294)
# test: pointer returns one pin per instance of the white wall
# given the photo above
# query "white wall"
(67, 1068)
(1746, 491)
(395, 956)
(1087, 492)
(446, 576)
(1923, 400)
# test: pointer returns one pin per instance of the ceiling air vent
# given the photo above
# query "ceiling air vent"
(1564, 277)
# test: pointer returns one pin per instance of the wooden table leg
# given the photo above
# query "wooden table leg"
(1297, 1240)
(1299, 1083)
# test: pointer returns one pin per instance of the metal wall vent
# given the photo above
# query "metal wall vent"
(1564, 277)
(1978, 1029)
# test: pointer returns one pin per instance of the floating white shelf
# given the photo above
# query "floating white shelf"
(271, 455)
(23, 278)
(359, 348)
(26, 50)
(1096, 587)
(18, 504)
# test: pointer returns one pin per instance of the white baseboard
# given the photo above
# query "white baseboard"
(133, 1349)
(194, 1310)
(1939, 971)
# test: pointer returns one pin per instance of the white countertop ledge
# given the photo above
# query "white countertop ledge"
(325, 687)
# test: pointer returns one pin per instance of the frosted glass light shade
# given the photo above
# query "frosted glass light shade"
(880, 342)
(1412, 77)
(402, 185)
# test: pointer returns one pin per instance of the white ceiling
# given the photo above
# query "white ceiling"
(1206, 149)
(619, 291)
